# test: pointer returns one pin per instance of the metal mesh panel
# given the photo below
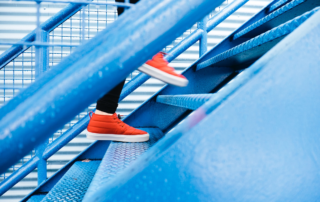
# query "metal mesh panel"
(20, 72)
(84, 25)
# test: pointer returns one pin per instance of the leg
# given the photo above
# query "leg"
(108, 104)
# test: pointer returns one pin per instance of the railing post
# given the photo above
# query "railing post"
(41, 53)
(42, 164)
(204, 38)
(41, 66)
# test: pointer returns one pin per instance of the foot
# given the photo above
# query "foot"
(158, 68)
(104, 127)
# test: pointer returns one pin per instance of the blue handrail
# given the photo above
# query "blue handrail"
(129, 87)
(38, 111)
(47, 26)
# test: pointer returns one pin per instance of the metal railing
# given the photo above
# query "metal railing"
(37, 43)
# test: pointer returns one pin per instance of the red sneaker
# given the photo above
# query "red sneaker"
(102, 127)
(158, 68)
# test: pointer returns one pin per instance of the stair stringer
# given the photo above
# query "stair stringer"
(259, 144)
(154, 114)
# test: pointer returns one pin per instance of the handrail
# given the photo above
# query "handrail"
(38, 111)
(128, 88)
(47, 26)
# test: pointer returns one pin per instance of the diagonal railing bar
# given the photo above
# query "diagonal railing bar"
(48, 26)
(38, 111)
(125, 5)
(128, 88)
(37, 44)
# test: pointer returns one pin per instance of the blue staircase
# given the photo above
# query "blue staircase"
(244, 129)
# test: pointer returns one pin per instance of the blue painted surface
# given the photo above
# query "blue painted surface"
(203, 43)
(192, 102)
(47, 26)
(18, 175)
(42, 163)
(74, 184)
(278, 5)
(94, 152)
(42, 54)
(119, 156)
(273, 34)
(36, 198)
(137, 81)
(224, 13)
(271, 16)
(259, 141)
(49, 98)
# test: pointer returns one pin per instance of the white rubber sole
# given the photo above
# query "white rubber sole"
(163, 76)
(119, 138)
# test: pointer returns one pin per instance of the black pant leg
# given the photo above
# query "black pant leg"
(109, 102)
(121, 9)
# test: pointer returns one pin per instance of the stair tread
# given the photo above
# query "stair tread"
(191, 101)
(36, 198)
(272, 16)
(278, 4)
(119, 156)
(74, 183)
(239, 54)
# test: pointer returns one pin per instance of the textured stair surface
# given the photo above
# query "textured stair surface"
(74, 184)
(272, 16)
(36, 198)
(257, 46)
(262, 134)
(192, 101)
(118, 156)
(18, 19)
(278, 4)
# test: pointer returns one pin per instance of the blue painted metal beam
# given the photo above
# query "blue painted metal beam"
(203, 47)
(186, 43)
(119, 156)
(128, 88)
(47, 26)
(18, 175)
(228, 42)
(95, 151)
(278, 17)
(278, 4)
(252, 49)
(51, 149)
(74, 184)
(253, 135)
(131, 86)
(42, 54)
(224, 13)
(192, 102)
(53, 100)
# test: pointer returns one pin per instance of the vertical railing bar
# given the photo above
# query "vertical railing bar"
(83, 18)
(126, 2)
(203, 44)
(40, 67)
(38, 40)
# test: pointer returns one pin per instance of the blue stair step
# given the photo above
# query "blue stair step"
(274, 19)
(74, 184)
(278, 5)
(119, 156)
(192, 101)
(36, 198)
(249, 51)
